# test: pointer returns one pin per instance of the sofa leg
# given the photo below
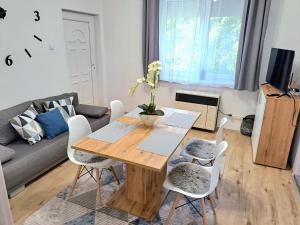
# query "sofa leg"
(16, 191)
(75, 179)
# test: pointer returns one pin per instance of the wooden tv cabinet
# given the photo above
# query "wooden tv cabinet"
(274, 126)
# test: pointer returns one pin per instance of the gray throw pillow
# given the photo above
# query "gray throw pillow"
(27, 127)
(65, 107)
(7, 132)
(6, 154)
(91, 110)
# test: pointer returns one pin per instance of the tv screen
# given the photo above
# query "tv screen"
(280, 68)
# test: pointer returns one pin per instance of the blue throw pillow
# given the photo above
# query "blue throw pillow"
(53, 123)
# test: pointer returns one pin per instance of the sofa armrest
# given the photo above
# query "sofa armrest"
(6, 154)
(91, 110)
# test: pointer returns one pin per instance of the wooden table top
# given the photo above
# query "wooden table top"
(126, 149)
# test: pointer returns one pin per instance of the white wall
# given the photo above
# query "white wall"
(84, 6)
(283, 33)
(46, 73)
(122, 24)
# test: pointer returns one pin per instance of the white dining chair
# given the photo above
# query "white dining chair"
(186, 178)
(204, 151)
(117, 110)
(79, 128)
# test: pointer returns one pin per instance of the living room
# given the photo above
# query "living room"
(91, 53)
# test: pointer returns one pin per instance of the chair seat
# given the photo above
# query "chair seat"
(189, 179)
(200, 149)
(87, 158)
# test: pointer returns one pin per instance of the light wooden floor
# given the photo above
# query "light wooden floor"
(250, 194)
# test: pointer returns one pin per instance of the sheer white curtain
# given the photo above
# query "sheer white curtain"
(199, 40)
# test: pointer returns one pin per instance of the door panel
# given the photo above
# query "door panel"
(78, 47)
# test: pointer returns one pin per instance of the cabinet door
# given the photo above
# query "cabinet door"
(211, 118)
(259, 116)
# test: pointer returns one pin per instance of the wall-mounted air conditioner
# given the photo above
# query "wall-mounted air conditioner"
(205, 103)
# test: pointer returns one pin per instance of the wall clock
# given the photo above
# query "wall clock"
(36, 17)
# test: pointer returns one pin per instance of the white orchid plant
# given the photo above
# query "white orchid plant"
(150, 80)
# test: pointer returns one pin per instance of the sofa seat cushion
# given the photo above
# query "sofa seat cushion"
(91, 110)
(32, 160)
(7, 132)
(27, 127)
(97, 123)
(6, 154)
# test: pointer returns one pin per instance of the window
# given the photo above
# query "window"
(199, 41)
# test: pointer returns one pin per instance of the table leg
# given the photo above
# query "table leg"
(142, 194)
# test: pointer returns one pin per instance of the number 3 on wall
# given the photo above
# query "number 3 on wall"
(37, 15)
(8, 60)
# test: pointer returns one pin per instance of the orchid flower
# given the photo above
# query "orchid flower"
(151, 79)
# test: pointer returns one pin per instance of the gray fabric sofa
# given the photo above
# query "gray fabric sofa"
(30, 161)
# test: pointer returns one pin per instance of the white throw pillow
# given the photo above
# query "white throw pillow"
(65, 107)
(27, 127)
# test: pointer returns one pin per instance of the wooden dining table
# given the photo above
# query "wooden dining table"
(142, 193)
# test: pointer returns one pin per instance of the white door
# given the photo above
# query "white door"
(81, 53)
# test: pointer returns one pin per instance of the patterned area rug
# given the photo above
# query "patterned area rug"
(82, 208)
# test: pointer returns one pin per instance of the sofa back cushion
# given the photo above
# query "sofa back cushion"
(39, 103)
(65, 107)
(7, 132)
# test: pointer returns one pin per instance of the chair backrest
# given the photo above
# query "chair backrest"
(117, 110)
(79, 128)
(221, 148)
(220, 137)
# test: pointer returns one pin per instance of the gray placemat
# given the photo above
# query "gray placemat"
(181, 120)
(161, 142)
(134, 113)
(112, 132)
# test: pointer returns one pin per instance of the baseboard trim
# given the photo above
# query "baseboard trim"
(16, 191)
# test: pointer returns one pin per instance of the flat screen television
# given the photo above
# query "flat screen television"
(280, 68)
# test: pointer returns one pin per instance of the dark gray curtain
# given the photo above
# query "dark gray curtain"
(253, 31)
(151, 33)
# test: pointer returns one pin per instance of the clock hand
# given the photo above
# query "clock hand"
(36, 37)
(28, 53)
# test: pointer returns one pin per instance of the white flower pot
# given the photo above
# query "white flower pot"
(149, 120)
